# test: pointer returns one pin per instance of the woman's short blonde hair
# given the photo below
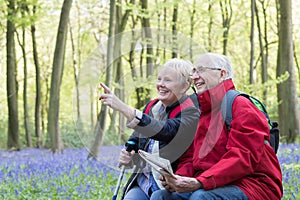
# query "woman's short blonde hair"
(182, 67)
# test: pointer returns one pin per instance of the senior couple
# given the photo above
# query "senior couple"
(209, 161)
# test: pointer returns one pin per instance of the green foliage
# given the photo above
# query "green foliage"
(112, 137)
(269, 84)
(89, 23)
(3, 132)
(257, 89)
(71, 137)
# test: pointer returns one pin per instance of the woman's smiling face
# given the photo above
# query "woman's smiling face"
(169, 85)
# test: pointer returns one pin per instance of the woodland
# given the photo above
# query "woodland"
(54, 54)
(57, 141)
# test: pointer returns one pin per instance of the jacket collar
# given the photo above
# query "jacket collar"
(212, 98)
(171, 107)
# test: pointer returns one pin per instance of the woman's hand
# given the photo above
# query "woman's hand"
(126, 158)
(111, 100)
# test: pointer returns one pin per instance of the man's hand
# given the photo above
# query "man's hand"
(181, 184)
(166, 185)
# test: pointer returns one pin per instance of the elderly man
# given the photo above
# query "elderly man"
(225, 164)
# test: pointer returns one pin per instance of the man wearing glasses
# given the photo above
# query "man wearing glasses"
(225, 164)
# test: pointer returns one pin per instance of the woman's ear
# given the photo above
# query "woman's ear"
(186, 87)
(223, 74)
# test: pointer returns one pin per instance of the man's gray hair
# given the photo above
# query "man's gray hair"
(213, 60)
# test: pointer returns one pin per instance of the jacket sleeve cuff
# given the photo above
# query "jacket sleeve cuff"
(187, 171)
(208, 183)
(136, 120)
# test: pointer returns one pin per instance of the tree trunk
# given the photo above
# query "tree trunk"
(92, 100)
(101, 118)
(158, 38)
(121, 94)
(226, 19)
(192, 21)
(22, 43)
(266, 46)
(174, 31)
(210, 23)
(120, 25)
(287, 91)
(76, 69)
(148, 39)
(44, 110)
(56, 79)
(165, 28)
(149, 49)
(297, 63)
(264, 72)
(37, 113)
(12, 86)
(251, 78)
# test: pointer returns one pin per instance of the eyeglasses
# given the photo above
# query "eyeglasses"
(200, 70)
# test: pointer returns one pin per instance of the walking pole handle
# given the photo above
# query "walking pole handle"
(130, 145)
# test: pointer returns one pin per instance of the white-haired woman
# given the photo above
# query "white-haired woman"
(167, 125)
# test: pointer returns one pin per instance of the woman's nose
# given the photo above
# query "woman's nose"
(161, 83)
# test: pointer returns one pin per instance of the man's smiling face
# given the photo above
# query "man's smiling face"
(206, 78)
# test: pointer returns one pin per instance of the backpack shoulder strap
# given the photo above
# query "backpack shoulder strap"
(226, 109)
(149, 105)
(180, 107)
(226, 105)
(261, 107)
(184, 105)
(194, 98)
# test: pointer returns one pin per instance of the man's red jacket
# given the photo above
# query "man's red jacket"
(239, 157)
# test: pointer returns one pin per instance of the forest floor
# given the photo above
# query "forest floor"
(40, 174)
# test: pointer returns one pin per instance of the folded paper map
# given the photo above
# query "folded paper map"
(161, 165)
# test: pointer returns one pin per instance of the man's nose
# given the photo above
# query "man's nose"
(194, 75)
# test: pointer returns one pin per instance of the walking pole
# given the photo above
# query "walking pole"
(130, 145)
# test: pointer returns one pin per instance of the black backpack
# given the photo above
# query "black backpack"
(226, 109)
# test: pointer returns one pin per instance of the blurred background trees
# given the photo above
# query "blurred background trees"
(122, 43)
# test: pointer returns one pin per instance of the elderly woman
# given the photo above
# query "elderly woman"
(167, 126)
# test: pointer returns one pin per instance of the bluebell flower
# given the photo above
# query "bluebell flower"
(40, 174)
